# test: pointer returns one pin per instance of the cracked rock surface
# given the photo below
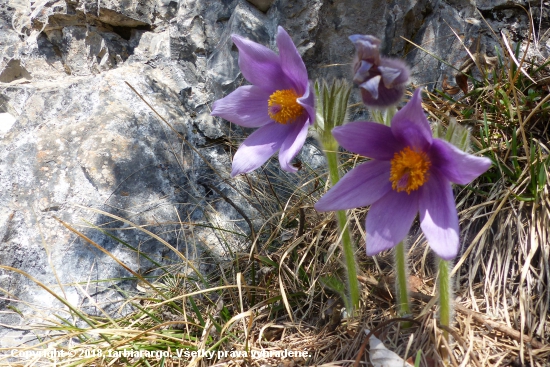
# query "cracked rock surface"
(76, 138)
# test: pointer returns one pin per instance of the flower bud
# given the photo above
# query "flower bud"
(382, 80)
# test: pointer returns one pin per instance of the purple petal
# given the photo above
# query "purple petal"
(258, 147)
(399, 78)
(260, 65)
(457, 166)
(246, 106)
(438, 218)
(291, 61)
(308, 102)
(371, 86)
(389, 75)
(359, 38)
(293, 143)
(362, 72)
(369, 139)
(366, 47)
(360, 187)
(389, 220)
(410, 125)
(386, 96)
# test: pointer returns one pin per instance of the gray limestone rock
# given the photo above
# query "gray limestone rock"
(262, 5)
(74, 136)
(502, 4)
(13, 70)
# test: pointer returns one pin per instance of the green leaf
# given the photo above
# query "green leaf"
(225, 314)
(458, 135)
(332, 104)
(334, 284)
(418, 359)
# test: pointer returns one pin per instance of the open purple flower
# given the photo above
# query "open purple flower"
(279, 102)
(410, 172)
(382, 80)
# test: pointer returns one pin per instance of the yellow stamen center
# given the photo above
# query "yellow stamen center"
(409, 170)
(284, 106)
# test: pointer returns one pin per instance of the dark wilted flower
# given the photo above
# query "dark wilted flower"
(280, 102)
(382, 80)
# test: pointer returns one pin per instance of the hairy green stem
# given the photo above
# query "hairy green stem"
(402, 288)
(444, 295)
(349, 255)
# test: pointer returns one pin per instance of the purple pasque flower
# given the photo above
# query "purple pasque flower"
(280, 102)
(410, 172)
(382, 80)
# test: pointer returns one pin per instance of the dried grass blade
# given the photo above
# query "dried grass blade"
(179, 254)
(43, 286)
(479, 234)
(507, 44)
(238, 317)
